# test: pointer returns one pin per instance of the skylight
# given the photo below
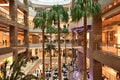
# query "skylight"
(50, 2)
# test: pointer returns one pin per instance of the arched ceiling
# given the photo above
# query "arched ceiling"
(50, 2)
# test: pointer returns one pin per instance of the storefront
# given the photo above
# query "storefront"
(109, 73)
(4, 38)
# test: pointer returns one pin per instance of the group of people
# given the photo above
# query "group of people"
(118, 75)
(4, 42)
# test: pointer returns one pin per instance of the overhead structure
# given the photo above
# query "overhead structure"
(46, 4)
(50, 2)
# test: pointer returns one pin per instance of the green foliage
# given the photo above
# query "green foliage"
(15, 73)
(54, 30)
(57, 12)
(40, 20)
(51, 30)
(81, 8)
(50, 47)
(65, 30)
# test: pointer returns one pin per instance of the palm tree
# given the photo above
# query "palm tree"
(58, 13)
(50, 47)
(65, 31)
(49, 30)
(40, 21)
(15, 72)
(83, 9)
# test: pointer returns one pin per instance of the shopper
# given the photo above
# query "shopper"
(118, 75)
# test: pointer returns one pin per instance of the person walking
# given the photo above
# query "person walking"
(118, 75)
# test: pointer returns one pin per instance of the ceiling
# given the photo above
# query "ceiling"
(104, 3)
(50, 2)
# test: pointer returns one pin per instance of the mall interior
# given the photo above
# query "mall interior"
(17, 36)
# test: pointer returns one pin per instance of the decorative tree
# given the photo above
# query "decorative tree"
(50, 30)
(15, 72)
(65, 31)
(58, 13)
(50, 47)
(83, 9)
(40, 21)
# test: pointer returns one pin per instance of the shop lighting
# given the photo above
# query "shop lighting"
(4, 4)
(19, 11)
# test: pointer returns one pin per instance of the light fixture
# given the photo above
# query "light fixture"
(4, 4)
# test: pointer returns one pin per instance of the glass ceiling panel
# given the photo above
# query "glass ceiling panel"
(50, 2)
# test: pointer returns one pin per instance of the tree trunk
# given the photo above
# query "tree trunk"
(50, 59)
(50, 52)
(73, 2)
(95, 69)
(13, 29)
(95, 44)
(85, 48)
(43, 55)
(59, 54)
(65, 48)
(73, 45)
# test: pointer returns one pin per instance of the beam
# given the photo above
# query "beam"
(108, 59)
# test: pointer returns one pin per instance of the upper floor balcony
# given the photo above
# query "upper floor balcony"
(4, 14)
(111, 49)
(39, 45)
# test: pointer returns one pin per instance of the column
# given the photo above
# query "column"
(26, 33)
(95, 70)
(13, 29)
(95, 42)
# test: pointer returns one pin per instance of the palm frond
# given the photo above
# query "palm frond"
(65, 30)
(96, 9)
(40, 20)
(50, 47)
(58, 12)
(3, 71)
(88, 8)
(30, 77)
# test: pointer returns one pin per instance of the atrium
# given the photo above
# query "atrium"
(59, 40)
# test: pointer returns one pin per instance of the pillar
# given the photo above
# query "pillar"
(13, 29)
(95, 44)
(95, 70)
(26, 33)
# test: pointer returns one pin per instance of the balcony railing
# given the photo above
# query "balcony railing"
(20, 44)
(109, 49)
(39, 45)
(4, 45)
(112, 49)
(5, 15)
